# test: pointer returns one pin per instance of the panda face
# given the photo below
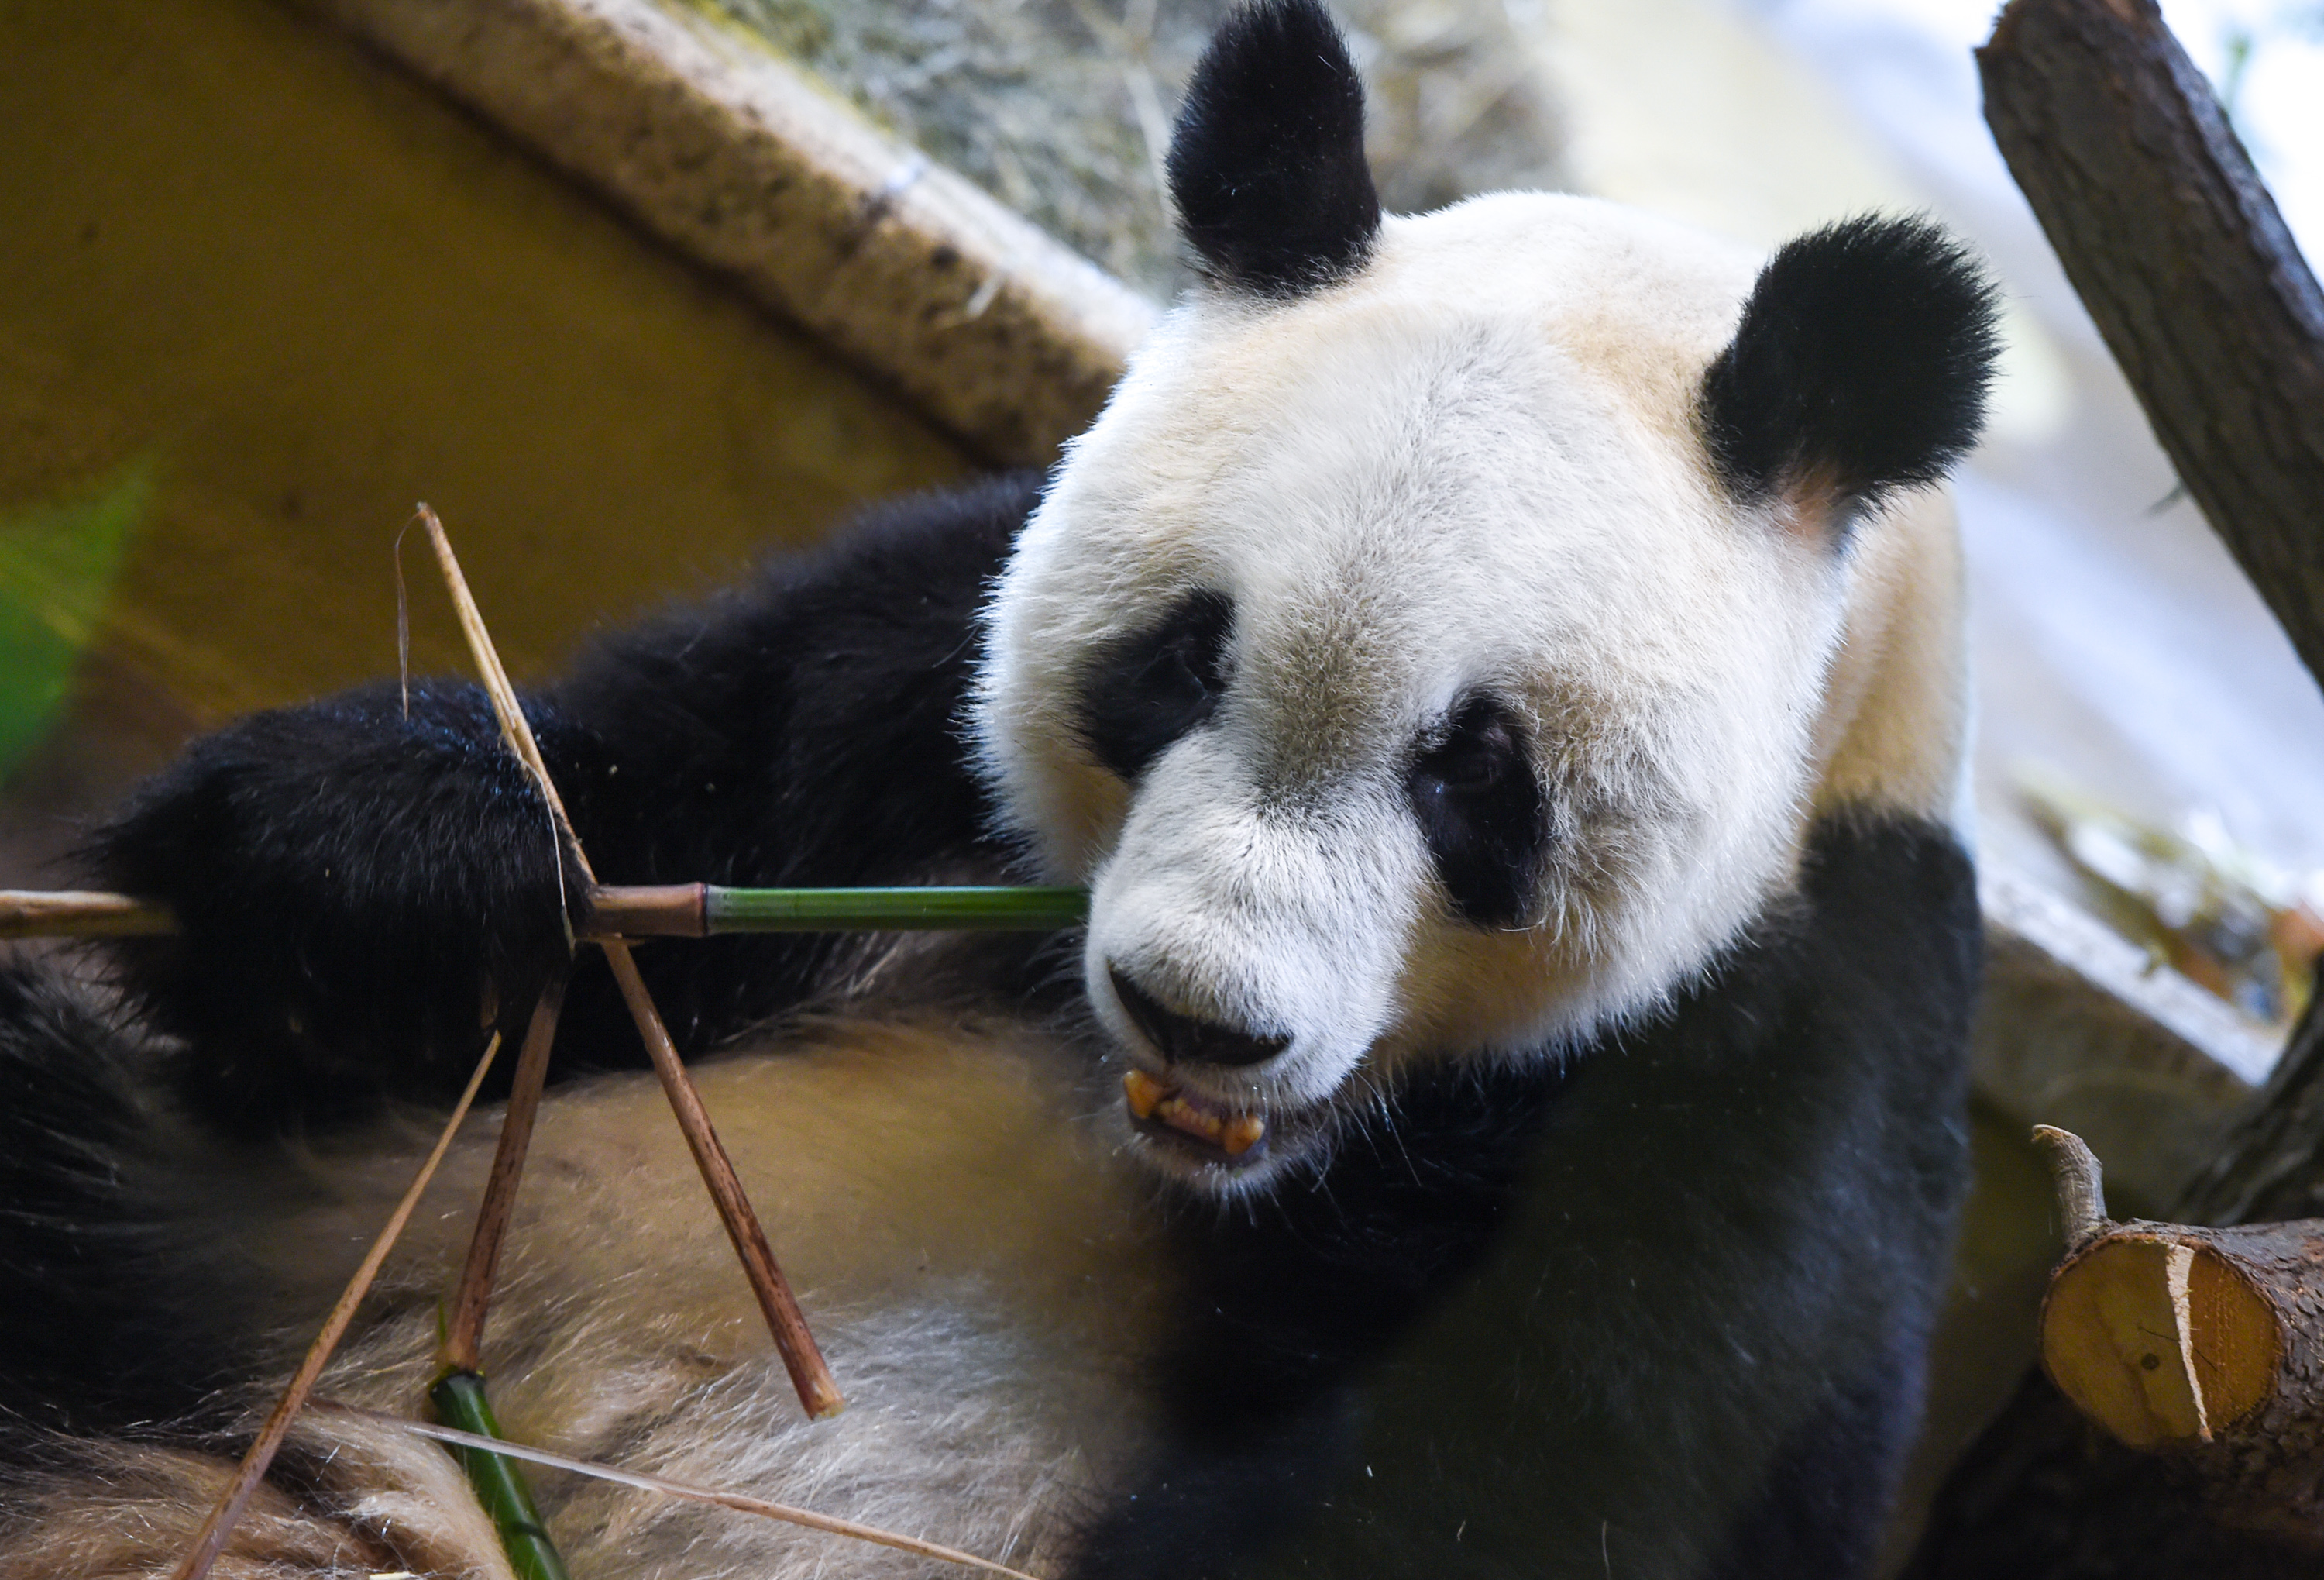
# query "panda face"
(1397, 672)
(1440, 645)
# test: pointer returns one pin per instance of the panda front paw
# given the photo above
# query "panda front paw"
(358, 894)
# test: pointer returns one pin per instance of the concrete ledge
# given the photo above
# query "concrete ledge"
(742, 161)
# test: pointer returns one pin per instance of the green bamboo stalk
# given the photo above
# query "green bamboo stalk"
(994, 909)
(498, 1481)
(685, 910)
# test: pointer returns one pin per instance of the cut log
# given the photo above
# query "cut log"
(2204, 1345)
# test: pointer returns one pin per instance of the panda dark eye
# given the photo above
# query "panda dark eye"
(1153, 688)
(1483, 811)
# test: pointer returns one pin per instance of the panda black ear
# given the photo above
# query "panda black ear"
(1267, 162)
(1860, 366)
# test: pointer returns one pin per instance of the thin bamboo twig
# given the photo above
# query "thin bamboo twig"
(818, 1392)
(464, 1337)
(211, 1539)
(37, 913)
(738, 1501)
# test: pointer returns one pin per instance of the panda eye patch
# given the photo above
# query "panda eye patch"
(1481, 807)
(1151, 690)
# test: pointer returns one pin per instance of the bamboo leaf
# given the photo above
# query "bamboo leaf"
(59, 562)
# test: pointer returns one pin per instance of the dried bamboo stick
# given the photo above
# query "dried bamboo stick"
(212, 1537)
(818, 1391)
(464, 1336)
(37, 913)
(740, 1503)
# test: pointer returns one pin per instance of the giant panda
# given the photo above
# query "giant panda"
(1498, 674)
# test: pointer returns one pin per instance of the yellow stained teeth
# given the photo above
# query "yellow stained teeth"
(1243, 1132)
(1180, 1115)
(1142, 1092)
(1150, 1099)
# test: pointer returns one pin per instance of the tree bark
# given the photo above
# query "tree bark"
(2178, 251)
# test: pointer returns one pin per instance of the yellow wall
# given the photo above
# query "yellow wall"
(313, 294)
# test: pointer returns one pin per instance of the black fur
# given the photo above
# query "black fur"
(1153, 688)
(1725, 1206)
(99, 1326)
(1481, 807)
(1860, 366)
(347, 877)
(1828, 1491)
(1266, 160)
(1292, 1293)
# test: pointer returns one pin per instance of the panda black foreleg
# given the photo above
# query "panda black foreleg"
(1832, 1484)
(360, 890)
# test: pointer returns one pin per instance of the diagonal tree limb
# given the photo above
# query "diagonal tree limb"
(2177, 250)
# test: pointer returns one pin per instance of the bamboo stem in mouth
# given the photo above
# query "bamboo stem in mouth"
(652, 910)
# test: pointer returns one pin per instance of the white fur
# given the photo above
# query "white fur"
(1474, 465)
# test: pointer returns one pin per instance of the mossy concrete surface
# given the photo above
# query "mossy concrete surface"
(308, 294)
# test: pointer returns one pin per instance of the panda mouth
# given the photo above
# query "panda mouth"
(1211, 1131)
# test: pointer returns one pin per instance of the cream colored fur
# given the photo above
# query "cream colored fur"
(977, 1262)
(1474, 466)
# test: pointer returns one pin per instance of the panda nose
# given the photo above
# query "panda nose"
(1183, 1039)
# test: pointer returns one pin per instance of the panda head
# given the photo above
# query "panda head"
(1441, 646)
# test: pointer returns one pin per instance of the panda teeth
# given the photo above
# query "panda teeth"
(1233, 1134)
(1143, 1092)
(1243, 1132)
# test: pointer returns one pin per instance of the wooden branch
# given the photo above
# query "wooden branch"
(2177, 249)
(2178, 254)
(818, 1392)
(748, 164)
(211, 1539)
(2081, 1189)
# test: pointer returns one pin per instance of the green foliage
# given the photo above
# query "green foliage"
(58, 561)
